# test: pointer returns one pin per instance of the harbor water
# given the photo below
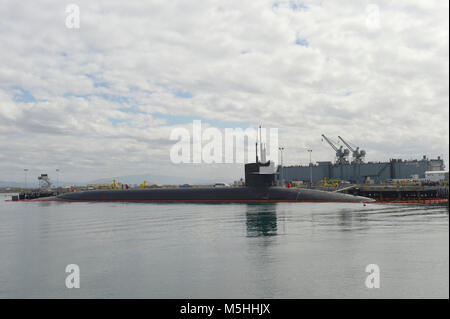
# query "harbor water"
(282, 250)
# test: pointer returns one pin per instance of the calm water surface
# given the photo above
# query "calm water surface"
(284, 250)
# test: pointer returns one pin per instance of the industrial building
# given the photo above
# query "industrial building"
(357, 170)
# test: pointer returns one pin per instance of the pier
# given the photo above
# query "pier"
(413, 194)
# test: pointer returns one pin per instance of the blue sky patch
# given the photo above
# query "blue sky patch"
(132, 110)
(22, 95)
(97, 82)
(183, 94)
(83, 96)
(301, 42)
(101, 84)
(114, 98)
(109, 97)
(294, 5)
(117, 122)
(178, 93)
(187, 119)
(297, 6)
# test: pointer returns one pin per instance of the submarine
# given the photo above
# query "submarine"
(260, 186)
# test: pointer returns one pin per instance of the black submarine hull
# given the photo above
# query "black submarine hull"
(208, 194)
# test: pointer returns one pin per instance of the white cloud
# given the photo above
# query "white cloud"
(99, 91)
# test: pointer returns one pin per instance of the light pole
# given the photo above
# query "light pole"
(310, 168)
(57, 178)
(281, 166)
(26, 173)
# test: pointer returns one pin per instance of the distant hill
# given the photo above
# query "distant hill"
(129, 179)
(158, 179)
(11, 184)
(4, 184)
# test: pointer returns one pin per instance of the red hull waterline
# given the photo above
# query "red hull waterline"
(427, 201)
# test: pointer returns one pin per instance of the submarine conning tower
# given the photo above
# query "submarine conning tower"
(260, 174)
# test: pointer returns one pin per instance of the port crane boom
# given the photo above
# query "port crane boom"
(329, 142)
(341, 153)
(358, 156)
(346, 144)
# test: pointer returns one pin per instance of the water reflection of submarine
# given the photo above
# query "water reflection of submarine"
(261, 220)
(260, 181)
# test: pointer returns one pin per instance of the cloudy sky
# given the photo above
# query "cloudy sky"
(101, 100)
